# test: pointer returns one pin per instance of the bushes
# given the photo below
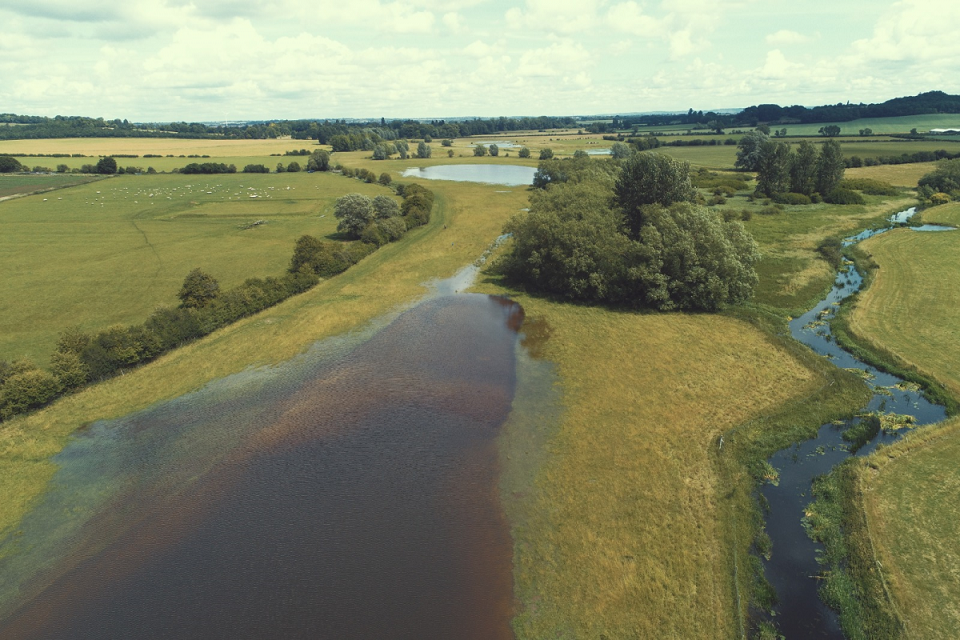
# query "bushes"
(869, 186)
(844, 196)
(209, 168)
(791, 198)
(831, 250)
(255, 168)
(24, 387)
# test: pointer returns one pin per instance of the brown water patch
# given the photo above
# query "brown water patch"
(364, 506)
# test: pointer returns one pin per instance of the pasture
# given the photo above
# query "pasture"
(903, 124)
(19, 184)
(111, 251)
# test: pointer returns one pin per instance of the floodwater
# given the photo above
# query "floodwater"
(349, 493)
(506, 174)
(793, 567)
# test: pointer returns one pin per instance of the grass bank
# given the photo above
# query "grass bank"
(889, 520)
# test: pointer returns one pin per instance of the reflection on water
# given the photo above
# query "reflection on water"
(508, 174)
(347, 496)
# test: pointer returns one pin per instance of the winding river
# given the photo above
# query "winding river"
(349, 493)
(793, 566)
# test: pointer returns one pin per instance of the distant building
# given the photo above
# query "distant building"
(944, 131)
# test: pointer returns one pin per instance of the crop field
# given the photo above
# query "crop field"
(111, 251)
(17, 184)
(712, 157)
(899, 175)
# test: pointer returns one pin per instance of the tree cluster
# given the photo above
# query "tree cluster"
(780, 169)
(639, 242)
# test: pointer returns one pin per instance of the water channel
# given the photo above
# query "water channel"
(793, 567)
(510, 175)
(349, 493)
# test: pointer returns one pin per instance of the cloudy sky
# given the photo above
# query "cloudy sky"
(166, 60)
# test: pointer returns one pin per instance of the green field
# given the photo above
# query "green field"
(902, 124)
(111, 251)
(19, 184)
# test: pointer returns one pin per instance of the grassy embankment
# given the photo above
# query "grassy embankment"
(394, 275)
(898, 508)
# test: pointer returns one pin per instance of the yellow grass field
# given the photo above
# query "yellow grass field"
(899, 175)
(912, 489)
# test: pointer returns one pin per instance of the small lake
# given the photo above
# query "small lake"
(349, 493)
(506, 174)
(793, 567)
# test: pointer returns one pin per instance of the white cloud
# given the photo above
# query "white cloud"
(453, 21)
(786, 37)
(558, 16)
(559, 59)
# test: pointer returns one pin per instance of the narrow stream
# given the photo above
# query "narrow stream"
(793, 566)
(349, 493)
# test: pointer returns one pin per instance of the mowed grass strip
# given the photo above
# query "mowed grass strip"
(19, 184)
(112, 251)
(912, 308)
(466, 219)
(626, 534)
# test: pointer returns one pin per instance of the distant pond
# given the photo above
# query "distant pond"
(507, 174)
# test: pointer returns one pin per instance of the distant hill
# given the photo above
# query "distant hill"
(924, 103)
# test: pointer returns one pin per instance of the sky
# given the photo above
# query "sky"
(213, 60)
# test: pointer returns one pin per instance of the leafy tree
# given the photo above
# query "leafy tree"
(580, 154)
(423, 150)
(106, 166)
(380, 152)
(446, 142)
(830, 167)
(620, 151)
(280, 167)
(944, 179)
(650, 178)
(355, 212)
(62, 168)
(198, 290)
(385, 207)
(319, 160)
(479, 150)
(9, 164)
(718, 127)
(27, 388)
(748, 150)
(385, 179)
(494, 150)
(255, 168)
(773, 170)
(866, 132)
(293, 167)
(546, 154)
(830, 130)
(524, 152)
(764, 129)
(803, 169)
(403, 149)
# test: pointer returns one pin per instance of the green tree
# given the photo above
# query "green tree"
(580, 154)
(651, 178)
(62, 168)
(403, 149)
(385, 179)
(944, 179)
(106, 166)
(380, 152)
(280, 167)
(830, 167)
(830, 130)
(293, 167)
(773, 170)
(424, 150)
(319, 160)
(385, 207)
(198, 290)
(803, 169)
(355, 212)
(494, 150)
(620, 151)
(866, 132)
(748, 150)
(479, 150)
(763, 128)
(524, 152)
(546, 154)
(446, 142)
(9, 164)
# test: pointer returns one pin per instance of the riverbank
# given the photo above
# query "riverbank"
(897, 507)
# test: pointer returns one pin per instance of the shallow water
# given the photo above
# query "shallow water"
(350, 493)
(506, 174)
(793, 567)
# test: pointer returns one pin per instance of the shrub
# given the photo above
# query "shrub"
(385, 179)
(28, 388)
(939, 198)
(831, 250)
(9, 164)
(844, 196)
(715, 200)
(255, 168)
(791, 198)
(524, 152)
(869, 186)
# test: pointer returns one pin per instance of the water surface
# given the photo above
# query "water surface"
(506, 174)
(350, 493)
